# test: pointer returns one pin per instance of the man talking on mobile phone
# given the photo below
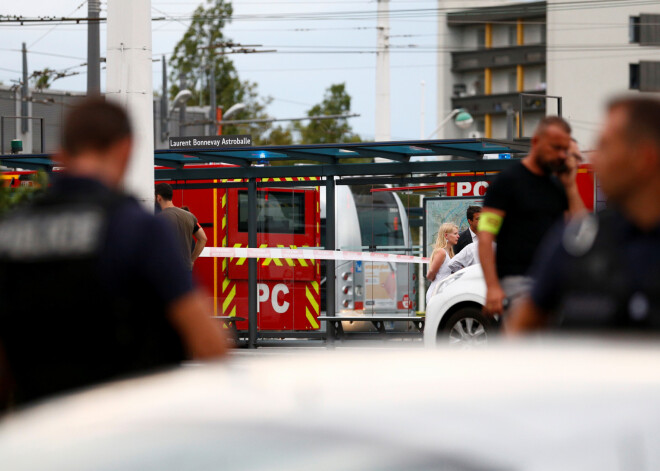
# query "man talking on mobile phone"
(521, 205)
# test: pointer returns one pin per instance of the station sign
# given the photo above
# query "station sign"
(210, 142)
(472, 188)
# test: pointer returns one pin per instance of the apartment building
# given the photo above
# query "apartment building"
(604, 49)
(583, 51)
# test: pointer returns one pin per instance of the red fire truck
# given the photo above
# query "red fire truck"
(288, 289)
(15, 179)
(585, 182)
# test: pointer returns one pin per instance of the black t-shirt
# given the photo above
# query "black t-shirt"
(86, 278)
(532, 204)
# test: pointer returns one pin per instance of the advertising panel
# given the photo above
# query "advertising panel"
(445, 209)
(380, 281)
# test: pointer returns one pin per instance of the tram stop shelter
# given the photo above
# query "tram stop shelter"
(397, 163)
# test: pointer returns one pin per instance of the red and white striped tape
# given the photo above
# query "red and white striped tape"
(309, 254)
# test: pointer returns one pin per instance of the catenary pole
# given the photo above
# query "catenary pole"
(182, 108)
(93, 48)
(129, 83)
(26, 107)
(212, 101)
(164, 109)
(25, 91)
(383, 73)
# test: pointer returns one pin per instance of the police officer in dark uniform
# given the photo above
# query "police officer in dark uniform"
(92, 288)
(602, 273)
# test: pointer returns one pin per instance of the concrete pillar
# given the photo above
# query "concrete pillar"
(129, 83)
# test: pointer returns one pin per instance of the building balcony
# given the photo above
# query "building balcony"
(507, 12)
(498, 57)
(479, 105)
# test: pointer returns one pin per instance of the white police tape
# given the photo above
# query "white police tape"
(308, 254)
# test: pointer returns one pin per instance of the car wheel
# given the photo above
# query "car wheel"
(466, 328)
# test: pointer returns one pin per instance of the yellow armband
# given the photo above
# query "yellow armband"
(490, 222)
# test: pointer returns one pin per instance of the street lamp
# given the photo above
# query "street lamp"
(180, 99)
(462, 119)
(233, 109)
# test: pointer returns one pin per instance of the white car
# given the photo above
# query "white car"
(453, 315)
(569, 406)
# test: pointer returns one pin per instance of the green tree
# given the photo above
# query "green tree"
(279, 136)
(326, 131)
(42, 79)
(203, 46)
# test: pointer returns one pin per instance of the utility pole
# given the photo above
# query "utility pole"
(383, 73)
(93, 48)
(422, 110)
(26, 107)
(212, 98)
(182, 108)
(164, 108)
(24, 93)
(212, 102)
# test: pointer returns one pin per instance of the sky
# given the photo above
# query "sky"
(318, 43)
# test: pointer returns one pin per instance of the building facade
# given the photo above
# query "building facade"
(603, 49)
(584, 52)
(49, 107)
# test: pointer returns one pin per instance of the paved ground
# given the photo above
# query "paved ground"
(299, 346)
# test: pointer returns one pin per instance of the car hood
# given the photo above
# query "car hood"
(569, 407)
(467, 284)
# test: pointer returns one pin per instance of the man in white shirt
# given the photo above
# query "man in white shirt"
(467, 257)
(470, 234)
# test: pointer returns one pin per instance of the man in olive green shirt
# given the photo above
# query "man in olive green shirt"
(184, 224)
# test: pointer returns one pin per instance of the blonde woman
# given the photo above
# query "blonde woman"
(442, 252)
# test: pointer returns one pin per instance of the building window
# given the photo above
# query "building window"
(513, 81)
(478, 85)
(645, 76)
(544, 80)
(633, 29)
(459, 90)
(480, 125)
(649, 30)
(544, 33)
(634, 77)
(481, 37)
(513, 35)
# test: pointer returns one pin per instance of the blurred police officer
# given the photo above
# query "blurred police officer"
(92, 287)
(603, 272)
(520, 206)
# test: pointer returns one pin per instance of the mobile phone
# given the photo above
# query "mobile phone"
(563, 168)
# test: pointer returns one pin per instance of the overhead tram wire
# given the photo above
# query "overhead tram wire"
(424, 12)
(361, 14)
(53, 28)
(39, 53)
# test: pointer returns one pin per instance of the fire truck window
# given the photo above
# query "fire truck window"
(278, 212)
(380, 221)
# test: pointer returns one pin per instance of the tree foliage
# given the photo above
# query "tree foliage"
(325, 131)
(11, 197)
(201, 48)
